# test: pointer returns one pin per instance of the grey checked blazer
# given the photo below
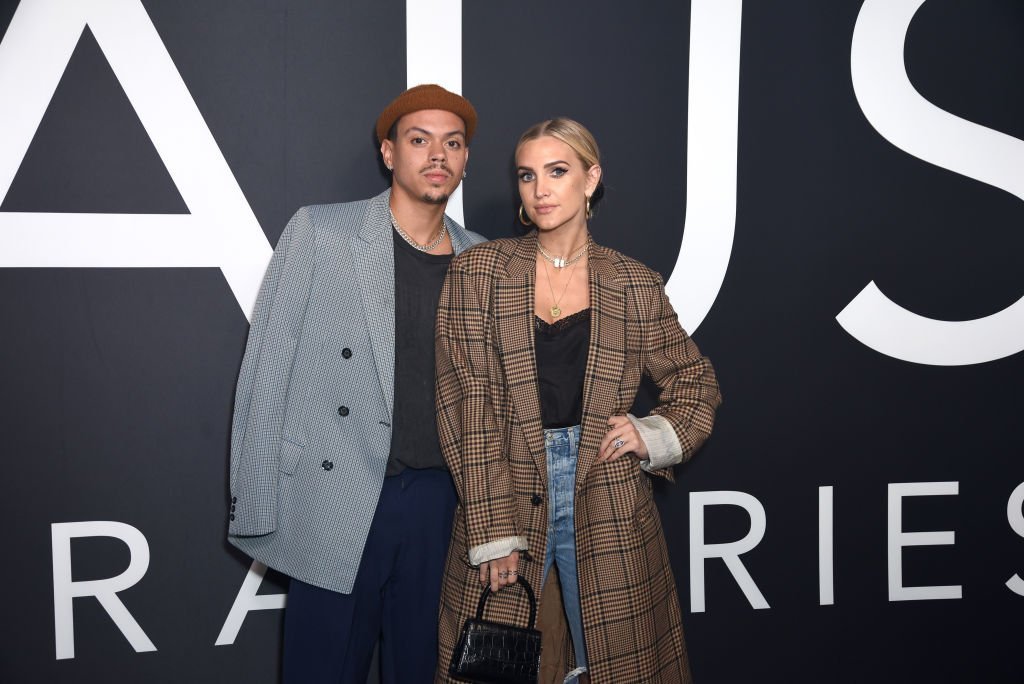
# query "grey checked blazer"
(312, 423)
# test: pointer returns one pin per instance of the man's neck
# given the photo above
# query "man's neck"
(420, 220)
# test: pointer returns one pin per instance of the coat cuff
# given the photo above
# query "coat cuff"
(663, 447)
(496, 549)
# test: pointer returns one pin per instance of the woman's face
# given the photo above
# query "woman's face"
(553, 183)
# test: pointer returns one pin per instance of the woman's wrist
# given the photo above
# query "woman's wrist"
(663, 447)
(498, 548)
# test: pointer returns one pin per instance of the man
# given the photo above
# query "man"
(337, 478)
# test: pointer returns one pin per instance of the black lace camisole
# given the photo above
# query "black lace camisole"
(561, 349)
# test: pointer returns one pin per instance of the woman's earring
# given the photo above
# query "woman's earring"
(464, 174)
(522, 217)
(590, 213)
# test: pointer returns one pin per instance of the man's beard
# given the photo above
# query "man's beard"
(439, 199)
(443, 197)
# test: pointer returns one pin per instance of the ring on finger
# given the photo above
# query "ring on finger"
(618, 443)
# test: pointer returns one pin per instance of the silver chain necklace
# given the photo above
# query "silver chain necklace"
(559, 262)
(405, 236)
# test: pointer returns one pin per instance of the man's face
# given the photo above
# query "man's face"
(428, 155)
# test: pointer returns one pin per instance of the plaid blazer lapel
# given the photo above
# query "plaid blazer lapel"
(606, 358)
(375, 265)
(513, 313)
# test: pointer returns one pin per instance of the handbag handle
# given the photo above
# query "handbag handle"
(529, 594)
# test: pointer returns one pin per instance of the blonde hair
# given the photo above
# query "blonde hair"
(572, 133)
(577, 137)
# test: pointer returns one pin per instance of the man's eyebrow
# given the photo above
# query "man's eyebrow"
(426, 132)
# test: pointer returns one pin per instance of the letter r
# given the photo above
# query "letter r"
(105, 590)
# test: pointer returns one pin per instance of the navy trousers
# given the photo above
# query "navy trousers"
(329, 637)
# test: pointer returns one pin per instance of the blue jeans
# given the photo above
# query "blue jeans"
(562, 446)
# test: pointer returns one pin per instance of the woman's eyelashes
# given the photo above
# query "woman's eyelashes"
(554, 172)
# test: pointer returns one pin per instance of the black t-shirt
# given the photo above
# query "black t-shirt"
(418, 280)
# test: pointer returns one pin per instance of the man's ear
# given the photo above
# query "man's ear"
(387, 151)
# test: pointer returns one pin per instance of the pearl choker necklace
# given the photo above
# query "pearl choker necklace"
(559, 262)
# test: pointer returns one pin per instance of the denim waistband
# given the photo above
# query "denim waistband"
(562, 435)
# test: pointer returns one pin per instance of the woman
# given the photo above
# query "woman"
(541, 345)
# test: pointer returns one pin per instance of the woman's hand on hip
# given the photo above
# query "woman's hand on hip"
(621, 438)
(500, 571)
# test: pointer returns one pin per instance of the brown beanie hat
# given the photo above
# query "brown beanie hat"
(427, 96)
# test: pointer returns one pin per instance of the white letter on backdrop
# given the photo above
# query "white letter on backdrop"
(105, 590)
(826, 555)
(898, 539)
(712, 128)
(711, 148)
(424, 22)
(730, 551)
(248, 600)
(1015, 516)
(220, 229)
(911, 123)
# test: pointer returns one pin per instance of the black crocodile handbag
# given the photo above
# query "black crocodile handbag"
(495, 653)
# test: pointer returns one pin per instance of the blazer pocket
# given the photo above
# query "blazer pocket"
(645, 509)
(642, 518)
(290, 455)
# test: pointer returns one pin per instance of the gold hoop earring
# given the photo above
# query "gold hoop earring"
(522, 218)
(590, 212)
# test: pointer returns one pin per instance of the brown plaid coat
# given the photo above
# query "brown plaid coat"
(491, 434)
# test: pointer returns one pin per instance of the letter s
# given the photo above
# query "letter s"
(904, 118)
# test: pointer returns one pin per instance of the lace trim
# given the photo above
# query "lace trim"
(561, 324)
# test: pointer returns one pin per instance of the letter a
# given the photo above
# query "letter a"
(220, 229)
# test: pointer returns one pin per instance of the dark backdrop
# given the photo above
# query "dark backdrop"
(117, 384)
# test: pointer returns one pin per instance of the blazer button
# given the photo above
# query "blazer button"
(327, 465)
(234, 499)
(232, 508)
(346, 353)
(536, 499)
(232, 516)
(343, 411)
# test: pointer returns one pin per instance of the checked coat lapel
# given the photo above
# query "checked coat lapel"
(514, 315)
(605, 361)
(375, 265)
